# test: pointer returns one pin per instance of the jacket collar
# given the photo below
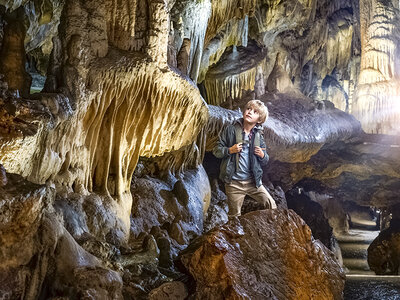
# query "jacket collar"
(256, 128)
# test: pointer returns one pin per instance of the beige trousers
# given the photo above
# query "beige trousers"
(237, 190)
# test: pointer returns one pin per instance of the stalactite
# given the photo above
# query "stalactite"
(193, 29)
(197, 36)
(235, 33)
(225, 10)
(231, 85)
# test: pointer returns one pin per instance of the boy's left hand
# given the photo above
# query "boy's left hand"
(259, 151)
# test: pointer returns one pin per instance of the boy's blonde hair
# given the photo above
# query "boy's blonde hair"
(259, 107)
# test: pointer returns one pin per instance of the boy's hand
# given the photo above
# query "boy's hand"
(235, 148)
(259, 151)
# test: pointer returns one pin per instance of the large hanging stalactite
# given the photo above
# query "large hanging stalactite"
(136, 110)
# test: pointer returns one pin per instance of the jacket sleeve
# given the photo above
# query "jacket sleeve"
(263, 161)
(221, 149)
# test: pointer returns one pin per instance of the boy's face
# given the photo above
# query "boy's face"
(251, 116)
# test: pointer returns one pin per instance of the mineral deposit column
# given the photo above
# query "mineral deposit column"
(377, 103)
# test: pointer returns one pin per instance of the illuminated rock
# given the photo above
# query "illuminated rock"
(267, 254)
(279, 80)
(224, 10)
(177, 205)
(193, 28)
(234, 33)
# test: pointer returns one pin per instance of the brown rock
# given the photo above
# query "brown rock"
(175, 290)
(268, 254)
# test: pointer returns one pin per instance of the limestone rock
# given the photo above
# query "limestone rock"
(267, 254)
(279, 80)
(22, 204)
(364, 170)
(12, 54)
(235, 33)
(234, 74)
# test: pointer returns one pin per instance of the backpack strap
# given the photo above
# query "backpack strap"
(238, 133)
(257, 138)
(239, 139)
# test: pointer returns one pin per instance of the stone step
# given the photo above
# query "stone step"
(356, 264)
(359, 273)
(363, 223)
(354, 250)
(364, 226)
(357, 236)
(354, 247)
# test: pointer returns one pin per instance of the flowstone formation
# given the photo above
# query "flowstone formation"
(109, 111)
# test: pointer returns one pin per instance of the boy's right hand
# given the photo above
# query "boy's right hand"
(235, 148)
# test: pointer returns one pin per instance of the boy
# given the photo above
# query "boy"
(242, 149)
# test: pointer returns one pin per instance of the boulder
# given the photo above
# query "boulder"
(267, 254)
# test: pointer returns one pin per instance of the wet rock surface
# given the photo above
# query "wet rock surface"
(267, 254)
